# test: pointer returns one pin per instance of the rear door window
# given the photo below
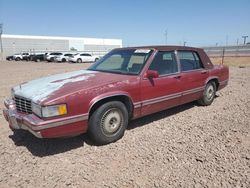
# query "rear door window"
(189, 61)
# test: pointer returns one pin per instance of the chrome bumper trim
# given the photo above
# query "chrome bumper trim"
(73, 119)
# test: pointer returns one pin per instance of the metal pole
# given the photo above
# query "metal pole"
(1, 43)
(223, 54)
(245, 38)
(166, 36)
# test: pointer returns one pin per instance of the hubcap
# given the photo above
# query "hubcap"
(210, 92)
(111, 121)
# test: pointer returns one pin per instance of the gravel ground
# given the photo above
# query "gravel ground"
(187, 146)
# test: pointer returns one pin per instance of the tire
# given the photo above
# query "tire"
(18, 59)
(79, 60)
(108, 122)
(38, 60)
(52, 59)
(63, 60)
(208, 94)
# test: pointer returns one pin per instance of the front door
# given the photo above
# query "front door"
(163, 92)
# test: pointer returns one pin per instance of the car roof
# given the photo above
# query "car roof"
(164, 48)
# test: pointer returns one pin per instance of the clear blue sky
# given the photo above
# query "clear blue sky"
(136, 22)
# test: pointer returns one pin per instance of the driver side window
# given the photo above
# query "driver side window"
(164, 63)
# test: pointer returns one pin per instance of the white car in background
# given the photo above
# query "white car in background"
(19, 57)
(83, 57)
(50, 57)
(64, 57)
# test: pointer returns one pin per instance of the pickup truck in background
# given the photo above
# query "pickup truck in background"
(127, 83)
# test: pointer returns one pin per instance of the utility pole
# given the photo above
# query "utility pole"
(245, 38)
(1, 42)
(166, 36)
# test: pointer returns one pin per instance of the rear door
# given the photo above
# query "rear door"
(163, 92)
(193, 75)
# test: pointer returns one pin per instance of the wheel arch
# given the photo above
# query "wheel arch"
(213, 79)
(124, 98)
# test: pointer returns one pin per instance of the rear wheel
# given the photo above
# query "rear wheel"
(79, 60)
(63, 60)
(18, 59)
(208, 94)
(108, 123)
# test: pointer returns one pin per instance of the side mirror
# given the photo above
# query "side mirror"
(151, 74)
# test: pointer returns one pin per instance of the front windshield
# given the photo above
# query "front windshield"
(123, 61)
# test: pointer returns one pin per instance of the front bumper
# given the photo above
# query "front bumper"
(59, 127)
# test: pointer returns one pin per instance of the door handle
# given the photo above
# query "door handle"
(204, 72)
(177, 77)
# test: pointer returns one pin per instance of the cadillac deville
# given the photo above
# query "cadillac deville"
(125, 84)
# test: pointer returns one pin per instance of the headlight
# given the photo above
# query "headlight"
(56, 110)
(49, 111)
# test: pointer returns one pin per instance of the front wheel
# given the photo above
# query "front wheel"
(208, 94)
(108, 123)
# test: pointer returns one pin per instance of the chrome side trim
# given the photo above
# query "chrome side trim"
(73, 119)
(167, 97)
(195, 90)
(160, 99)
(137, 104)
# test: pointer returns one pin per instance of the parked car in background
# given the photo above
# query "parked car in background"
(21, 56)
(125, 84)
(83, 57)
(26, 56)
(50, 57)
(38, 57)
(10, 58)
(64, 57)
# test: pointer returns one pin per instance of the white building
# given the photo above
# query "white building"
(23, 43)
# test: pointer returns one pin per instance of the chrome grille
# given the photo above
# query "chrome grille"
(23, 105)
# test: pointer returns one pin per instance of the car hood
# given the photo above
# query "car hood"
(51, 87)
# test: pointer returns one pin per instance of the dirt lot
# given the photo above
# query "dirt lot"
(188, 146)
(232, 61)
